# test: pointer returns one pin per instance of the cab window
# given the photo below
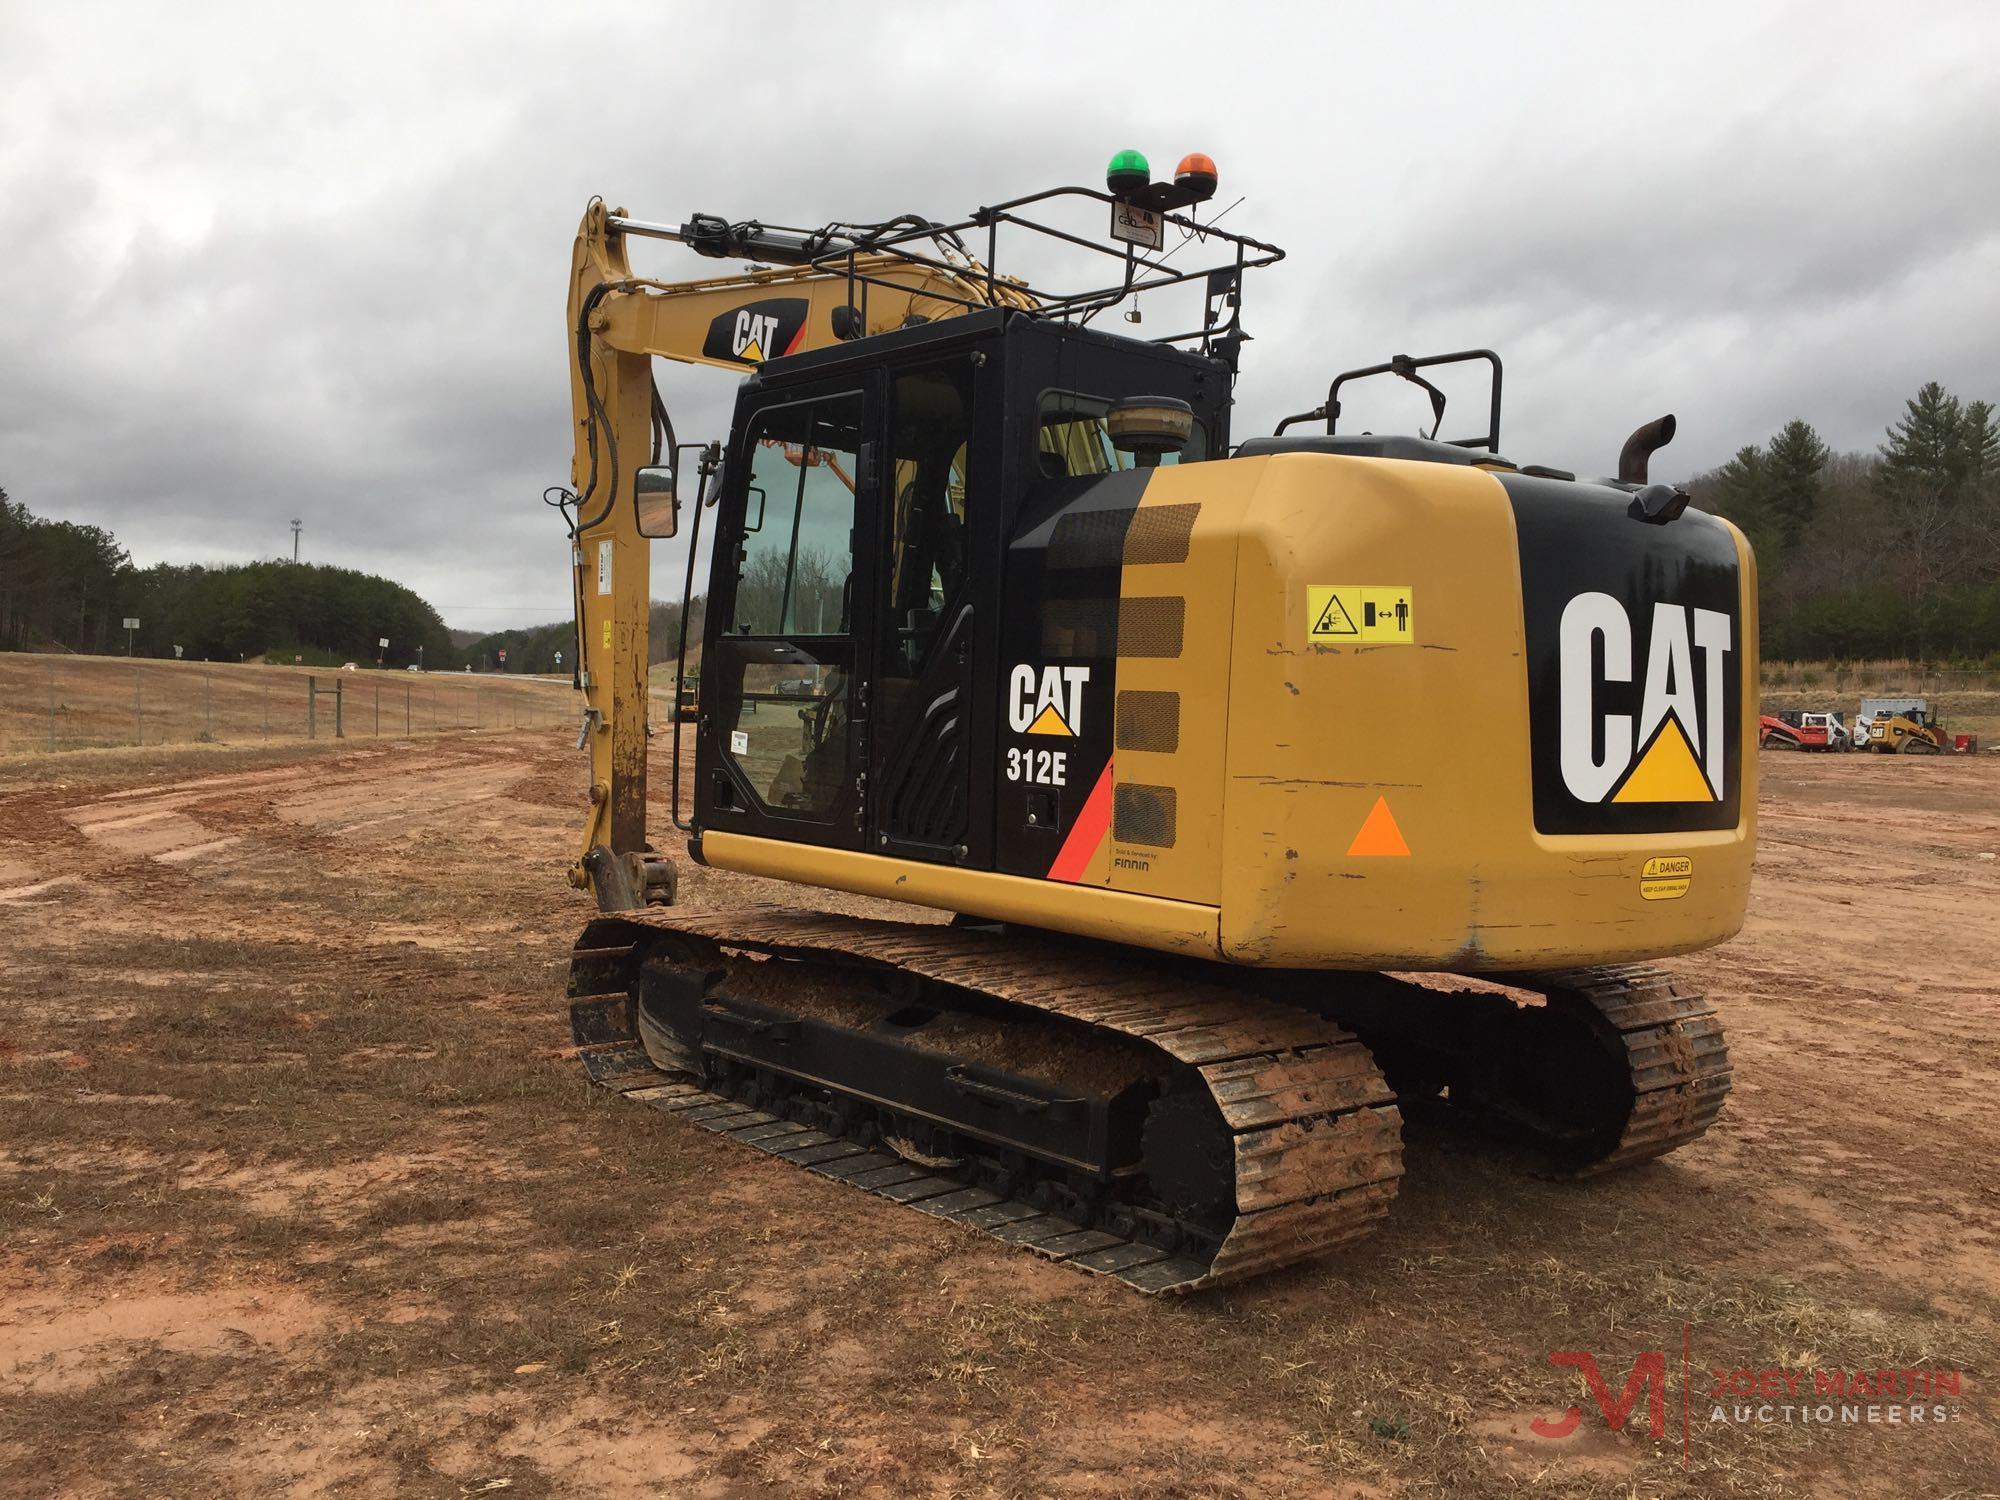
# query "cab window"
(1072, 439)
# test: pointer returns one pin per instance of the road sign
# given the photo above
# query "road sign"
(383, 643)
(132, 622)
(503, 655)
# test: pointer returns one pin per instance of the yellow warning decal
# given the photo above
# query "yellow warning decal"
(1667, 770)
(1666, 877)
(1379, 614)
(1048, 721)
(607, 635)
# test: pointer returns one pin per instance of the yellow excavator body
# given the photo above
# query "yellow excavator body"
(1224, 758)
(1339, 802)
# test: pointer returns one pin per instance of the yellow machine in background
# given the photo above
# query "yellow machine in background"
(1003, 622)
(1910, 733)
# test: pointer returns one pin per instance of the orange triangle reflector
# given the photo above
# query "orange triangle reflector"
(1379, 833)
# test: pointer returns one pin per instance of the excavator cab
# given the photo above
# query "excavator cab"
(873, 489)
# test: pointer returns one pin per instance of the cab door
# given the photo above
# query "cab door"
(784, 734)
(932, 563)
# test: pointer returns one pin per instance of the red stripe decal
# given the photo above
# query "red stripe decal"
(797, 339)
(1086, 833)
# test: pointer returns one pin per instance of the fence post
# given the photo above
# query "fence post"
(312, 707)
(406, 710)
(339, 708)
(378, 710)
(52, 708)
(267, 710)
(207, 709)
(138, 709)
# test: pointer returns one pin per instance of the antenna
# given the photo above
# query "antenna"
(297, 527)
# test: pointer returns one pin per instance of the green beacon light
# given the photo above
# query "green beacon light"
(1128, 172)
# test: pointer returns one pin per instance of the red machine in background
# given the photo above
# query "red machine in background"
(1796, 730)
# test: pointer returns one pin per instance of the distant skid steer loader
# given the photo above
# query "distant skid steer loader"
(1908, 733)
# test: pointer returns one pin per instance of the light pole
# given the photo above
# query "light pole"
(297, 527)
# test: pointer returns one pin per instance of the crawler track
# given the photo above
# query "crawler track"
(1291, 1109)
(1616, 1065)
(1272, 1138)
(1671, 1042)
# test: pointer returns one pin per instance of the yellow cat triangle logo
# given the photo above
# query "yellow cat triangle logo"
(1667, 771)
(752, 351)
(1048, 721)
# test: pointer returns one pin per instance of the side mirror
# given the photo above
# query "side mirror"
(653, 500)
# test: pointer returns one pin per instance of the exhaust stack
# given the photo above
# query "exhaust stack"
(1641, 446)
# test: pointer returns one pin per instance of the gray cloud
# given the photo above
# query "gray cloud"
(260, 266)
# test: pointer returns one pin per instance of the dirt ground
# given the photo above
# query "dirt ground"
(300, 1194)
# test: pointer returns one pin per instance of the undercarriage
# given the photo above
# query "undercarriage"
(1172, 1124)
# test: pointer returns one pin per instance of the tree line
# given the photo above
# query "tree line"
(71, 587)
(1894, 553)
(535, 648)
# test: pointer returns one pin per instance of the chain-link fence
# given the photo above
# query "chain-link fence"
(71, 703)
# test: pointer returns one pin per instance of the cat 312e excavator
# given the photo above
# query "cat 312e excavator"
(1003, 621)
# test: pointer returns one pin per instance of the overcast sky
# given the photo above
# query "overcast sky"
(259, 267)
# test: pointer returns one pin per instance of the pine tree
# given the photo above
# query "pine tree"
(1926, 473)
(1927, 447)
(1980, 438)
(1791, 473)
(1743, 494)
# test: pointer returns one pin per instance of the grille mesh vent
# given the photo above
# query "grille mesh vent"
(1149, 721)
(1079, 627)
(1160, 533)
(1143, 815)
(1151, 626)
(1088, 539)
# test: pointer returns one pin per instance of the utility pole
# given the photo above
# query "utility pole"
(297, 527)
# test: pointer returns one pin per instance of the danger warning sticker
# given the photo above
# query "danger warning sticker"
(1666, 878)
(1355, 613)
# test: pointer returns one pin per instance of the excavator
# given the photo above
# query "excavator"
(1005, 624)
